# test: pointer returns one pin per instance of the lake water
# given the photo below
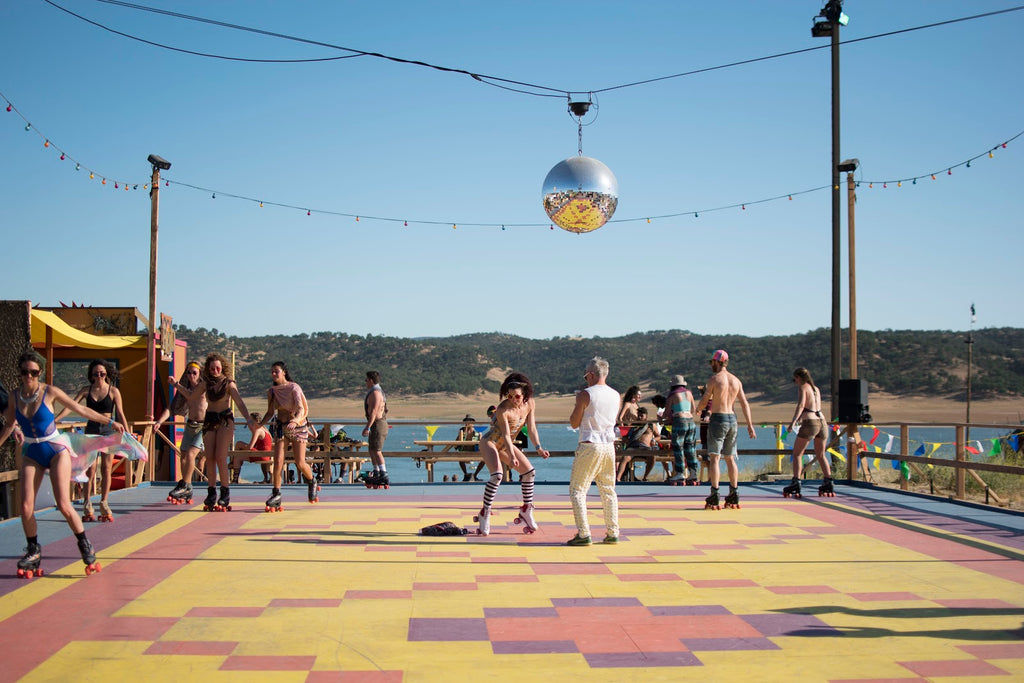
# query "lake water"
(559, 437)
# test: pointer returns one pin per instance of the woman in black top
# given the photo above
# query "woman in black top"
(103, 396)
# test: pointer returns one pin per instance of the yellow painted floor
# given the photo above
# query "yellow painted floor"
(846, 588)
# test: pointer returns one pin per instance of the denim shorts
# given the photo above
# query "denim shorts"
(722, 434)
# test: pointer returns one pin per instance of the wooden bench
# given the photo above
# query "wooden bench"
(326, 459)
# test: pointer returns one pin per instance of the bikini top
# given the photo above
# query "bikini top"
(816, 393)
(41, 423)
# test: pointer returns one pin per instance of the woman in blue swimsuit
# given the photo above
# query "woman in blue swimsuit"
(31, 410)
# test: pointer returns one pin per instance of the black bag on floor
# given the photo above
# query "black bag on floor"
(443, 529)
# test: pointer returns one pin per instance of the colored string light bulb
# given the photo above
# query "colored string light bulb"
(357, 219)
(261, 205)
(933, 176)
(405, 224)
(91, 176)
(989, 154)
(968, 164)
(899, 184)
(454, 227)
(46, 144)
(28, 126)
(116, 187)
(744, 207)
(308, 212)
(870, 185)
(949, 171)
(78, 167)
(790, 197)
(62, 156)
(648, 220)
(9, 106)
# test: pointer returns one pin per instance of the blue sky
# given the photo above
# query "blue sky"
(371, 137)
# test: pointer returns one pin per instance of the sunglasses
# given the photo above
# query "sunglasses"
(99, 374)
(30, 373)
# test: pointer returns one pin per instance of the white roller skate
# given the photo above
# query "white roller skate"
(484, 518)
(525, 517)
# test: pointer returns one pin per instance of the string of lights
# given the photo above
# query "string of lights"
(496, 81)
(406, 222)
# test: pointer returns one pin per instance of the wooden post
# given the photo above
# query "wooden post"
(852, 450)
(154, 212)
(904, 447)
(778, 439)
(961, 453)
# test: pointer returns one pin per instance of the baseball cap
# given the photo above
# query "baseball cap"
(720, 355)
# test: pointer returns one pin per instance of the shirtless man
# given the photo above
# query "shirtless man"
(376, 430)
(191, 403)
(723, 390)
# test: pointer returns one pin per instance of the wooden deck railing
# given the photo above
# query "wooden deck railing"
(323, 450)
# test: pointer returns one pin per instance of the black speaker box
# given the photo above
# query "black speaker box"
(853, 401)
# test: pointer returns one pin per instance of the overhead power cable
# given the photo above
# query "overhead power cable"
(522, 87)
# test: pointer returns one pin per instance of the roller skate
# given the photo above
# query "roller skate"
(691, 482)
(210, 504)
(792, 490)
(733, 499)
(677, 479)
(274, 502)
(827, 489)
(87, 513)
(172, 497)
(371, 479)
(383, 482)
(28, 565)
(484, 518)
(314, 489)
(105, 514)
(182, 495)
(224, 502)
(88, 556)
(525, 517)
(712, 502)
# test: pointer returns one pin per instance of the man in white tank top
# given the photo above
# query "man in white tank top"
(594, 415)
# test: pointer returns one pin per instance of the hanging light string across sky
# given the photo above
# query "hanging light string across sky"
(48, 143)
(495, 81)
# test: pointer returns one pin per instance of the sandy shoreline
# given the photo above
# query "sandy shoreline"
(452, 407)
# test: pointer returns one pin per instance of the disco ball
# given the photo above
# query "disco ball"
(580, 194)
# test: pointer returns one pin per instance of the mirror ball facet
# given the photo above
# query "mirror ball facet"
(580, 194)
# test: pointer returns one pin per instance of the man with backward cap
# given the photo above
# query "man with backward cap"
(723, 390)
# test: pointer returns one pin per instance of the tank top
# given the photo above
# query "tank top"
(598, 423)
(679, 402)
(105, 406)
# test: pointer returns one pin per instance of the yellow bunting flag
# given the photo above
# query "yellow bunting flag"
(430, 431)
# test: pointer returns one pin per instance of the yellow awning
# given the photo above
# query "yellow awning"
(65, 335)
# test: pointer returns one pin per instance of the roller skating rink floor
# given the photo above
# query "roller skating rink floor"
(870, 585)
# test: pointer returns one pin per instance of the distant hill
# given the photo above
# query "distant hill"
(900, 362)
